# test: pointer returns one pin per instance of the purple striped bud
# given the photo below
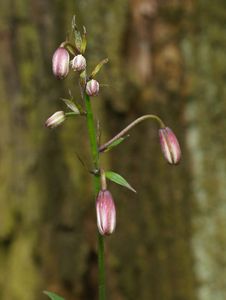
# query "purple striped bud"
(55, 120)
(78, 63)
(60, 63)
(170, 146)
(106, 213)
(92, 87)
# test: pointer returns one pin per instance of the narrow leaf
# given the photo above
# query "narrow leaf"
(81, 161)
(83, 79)
(73, 23)
(98, 67)
(116, 143)
(53, 296)
(78, 40)
(119, 180)
(70, 104)
(77, 35)
(84, 41)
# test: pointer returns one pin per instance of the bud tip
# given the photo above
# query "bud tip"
(55, 120)
(169, 145)
(92, 87)
(60, 63)
(106, 213)
(78, 63)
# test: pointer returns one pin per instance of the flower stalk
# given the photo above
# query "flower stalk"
(89, 87)
(123, 132)
(97, 185)
(70, 47)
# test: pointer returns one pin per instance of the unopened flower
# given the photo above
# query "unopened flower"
(92, 87)
(55, 120)
(78, 63)
(170, 146)
(60, 63)
(106, 213)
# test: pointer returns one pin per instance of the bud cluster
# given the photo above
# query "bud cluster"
(61, 63)
(105, 206)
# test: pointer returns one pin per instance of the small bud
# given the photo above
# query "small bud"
(170, 146)
(78, 63)
(55, 120)
(106, 213)
(60, 63)
(92, 87)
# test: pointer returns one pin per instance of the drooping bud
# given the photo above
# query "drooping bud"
(60, 63)
(92, 87)
(170, 146)
(78, 63)
(106, 213)
(55, 120)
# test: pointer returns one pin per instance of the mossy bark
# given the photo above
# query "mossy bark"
(48, 236)
(204, 50)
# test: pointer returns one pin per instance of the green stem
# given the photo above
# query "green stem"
(101, 267)
(71, 48)
(95, 158)
(72, 114)
(129, 127)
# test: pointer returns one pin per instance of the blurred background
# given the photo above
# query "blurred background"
(166, 57)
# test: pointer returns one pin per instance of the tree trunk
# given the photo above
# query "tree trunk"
(48, 236)
(204, 50)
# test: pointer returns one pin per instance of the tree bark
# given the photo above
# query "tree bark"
(48, 236)
(204, 49)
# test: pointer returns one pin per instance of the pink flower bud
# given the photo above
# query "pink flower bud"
(170, 146)
(60, 63)
(78, 63)
(106, 213)
(92, 87)
(55, 120)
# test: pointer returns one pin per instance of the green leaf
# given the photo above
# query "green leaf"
(70, 104)
(119, 180)
(98, 67)
(116, 143)
(53, 296)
